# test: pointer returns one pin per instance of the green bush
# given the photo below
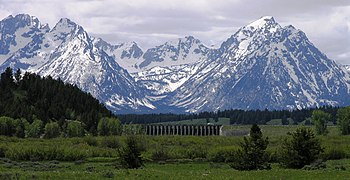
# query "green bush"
(110, 142)
(2, 151)
(7, 127)
(90, 140)
(318, 164)
(46, 153)
(253, 154)
(35, 129)
(195, 152)
(320, 119)
(109, 126)
(52, 130)
(343, 120)
(222, 154)
(130, 154)
(334, 154)
(301, 149)
(75, 129)
(160, 154)
(21, 125)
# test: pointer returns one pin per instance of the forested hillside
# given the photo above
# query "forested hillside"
(32, 97)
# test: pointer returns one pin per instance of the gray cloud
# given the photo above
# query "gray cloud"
(151, 23)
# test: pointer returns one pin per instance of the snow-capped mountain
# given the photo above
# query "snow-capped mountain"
(347, 67)
(168, 66)
(69, 53)
(17, 37)
(262, 65)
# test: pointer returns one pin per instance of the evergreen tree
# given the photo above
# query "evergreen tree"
(301, 149)
(47, 99)
(130, 155)
(18, 75)
(252, 155)
(20, 128)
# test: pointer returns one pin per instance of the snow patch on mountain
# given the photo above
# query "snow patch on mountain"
(262, 65)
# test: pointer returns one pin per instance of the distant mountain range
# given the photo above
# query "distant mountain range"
(262, 65)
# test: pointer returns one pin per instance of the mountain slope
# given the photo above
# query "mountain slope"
(262, 65)
(265, 66)
(32, 96)
(68, 52)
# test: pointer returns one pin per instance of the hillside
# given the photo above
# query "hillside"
(31, 96)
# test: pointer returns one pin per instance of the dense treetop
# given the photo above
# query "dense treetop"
(236, 116)
(30, 96)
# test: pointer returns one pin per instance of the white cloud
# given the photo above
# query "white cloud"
(150, 23)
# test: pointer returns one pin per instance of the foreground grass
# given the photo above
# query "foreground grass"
(191, 157)
(101, 170)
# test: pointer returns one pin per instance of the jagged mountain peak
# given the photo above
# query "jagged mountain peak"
(66, 26)
(262, 65)
(262, 22)
(12, 23)
(188, 40)
(23, 17)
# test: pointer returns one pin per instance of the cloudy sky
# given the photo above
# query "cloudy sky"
(152, 22)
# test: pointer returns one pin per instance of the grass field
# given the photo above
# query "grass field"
(185, 157)
(194, 170)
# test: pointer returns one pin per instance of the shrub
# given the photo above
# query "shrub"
(7, 127)
(75, 129)
(195, 152)
(160, 154)
(110, 142)
(334, 154)
(52, 130)
(301, 149)
(2, 151)
(90, 140)
(130, 155)
(20, 127)
(109, 126)
(108, 174)
(318, 164)
(320, 119)
(35, 129)
(222, 154)
(253, 154)
(343, 120)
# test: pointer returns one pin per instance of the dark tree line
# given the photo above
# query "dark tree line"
(32, 97)
(236, 116)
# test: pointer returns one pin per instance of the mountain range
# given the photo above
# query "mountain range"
(261, 66)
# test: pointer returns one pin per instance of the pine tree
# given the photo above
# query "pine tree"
(301, 149)
(252, 155)
(130, 155)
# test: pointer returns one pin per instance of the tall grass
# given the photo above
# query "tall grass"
(212, 148)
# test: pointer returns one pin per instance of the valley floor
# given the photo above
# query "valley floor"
(193, 170)
(166, 157)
